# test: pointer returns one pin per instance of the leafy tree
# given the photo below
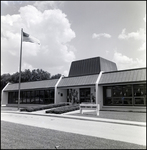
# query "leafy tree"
(26, 75)
(57, 76)
(39, 74)
(5, 78)
(15, 78)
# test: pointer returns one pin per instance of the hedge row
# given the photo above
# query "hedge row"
(63, 109)
(35, 108)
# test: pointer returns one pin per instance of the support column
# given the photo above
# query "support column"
(96, 87)
(56, 88)
(4, 96)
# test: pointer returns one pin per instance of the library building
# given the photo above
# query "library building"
(94, 80)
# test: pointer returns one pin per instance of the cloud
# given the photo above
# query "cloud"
(94, 35)
(53, 30)
(143, 46)
(44, 5)
(124, 62)
(28, 66)
(140, 35)
(107, 52)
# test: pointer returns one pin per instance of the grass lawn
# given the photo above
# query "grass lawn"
(16, 136)
(130, 116)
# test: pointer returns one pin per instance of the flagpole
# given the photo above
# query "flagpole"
(20, 69)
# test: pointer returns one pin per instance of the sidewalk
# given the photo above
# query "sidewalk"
(128, 118)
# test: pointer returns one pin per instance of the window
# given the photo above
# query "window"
(10, 97)
(117, 101)
(139, 101)
(117, 91)
(139, 94)
(127, 90)
(41, 96)
(21, 97)
(127, 101)
(13, 97)
(139, 90)
(132, 95)
(108, 92)
(33, 97)
(27, 97)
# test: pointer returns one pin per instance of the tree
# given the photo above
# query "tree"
(57, 76)
(39, 74)
(5, 78)
(26, 75)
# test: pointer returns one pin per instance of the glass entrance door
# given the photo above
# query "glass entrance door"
(85, 95)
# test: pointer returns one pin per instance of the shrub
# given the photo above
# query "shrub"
(35, 108)
(63, 109)
(30, 109)
(23, 109)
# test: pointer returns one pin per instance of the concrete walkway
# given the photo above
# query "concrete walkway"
(76, 115)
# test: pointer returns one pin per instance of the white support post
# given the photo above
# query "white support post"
(56, 88)
(97, 110)
(4, 98)
(96, 86)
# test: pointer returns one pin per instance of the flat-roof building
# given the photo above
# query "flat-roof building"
(93, 80)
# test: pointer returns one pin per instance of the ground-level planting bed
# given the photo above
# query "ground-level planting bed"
(35, 108)
(64, 109)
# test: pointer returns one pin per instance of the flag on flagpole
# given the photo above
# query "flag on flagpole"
(24, 38)
(28, 38)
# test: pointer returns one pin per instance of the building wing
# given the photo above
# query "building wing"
(124, 76)
(32, 85)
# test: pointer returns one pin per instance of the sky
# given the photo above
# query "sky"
(70, 31)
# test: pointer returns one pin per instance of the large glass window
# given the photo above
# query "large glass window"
(10, 97)
(41, 97)
(51, 98)
(46, 96)
(21, 97)
(139, 94)
(117, 91)
(127, 101)
(33, 97)
(117, 101)
(127, 90)
(125, 95)
(27, 94)
(13, 97)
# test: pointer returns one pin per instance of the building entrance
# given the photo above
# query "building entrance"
(85, 95)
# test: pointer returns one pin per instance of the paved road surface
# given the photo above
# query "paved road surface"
(113, 131)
